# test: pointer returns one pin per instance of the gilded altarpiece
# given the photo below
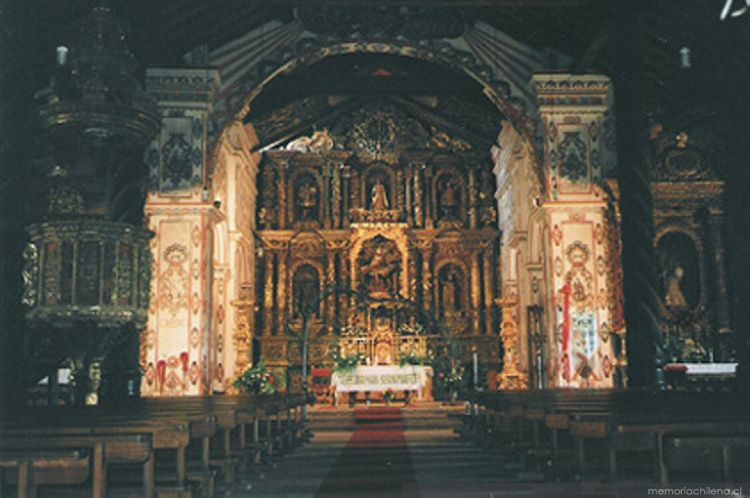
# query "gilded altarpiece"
(385, 207)
(689, 243)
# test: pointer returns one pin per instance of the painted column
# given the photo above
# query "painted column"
(175, 345)
(577, 155)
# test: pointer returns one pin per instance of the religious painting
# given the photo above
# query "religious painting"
(577, 317)
(306, 290)
(174, 282)
(451, 290)
(679, 271)
(378, 189)
(307, 195)
(380, 265)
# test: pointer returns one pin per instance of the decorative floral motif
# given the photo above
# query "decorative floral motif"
(573, 152)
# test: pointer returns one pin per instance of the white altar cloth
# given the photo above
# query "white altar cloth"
(381, 378)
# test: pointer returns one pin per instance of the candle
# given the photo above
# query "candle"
(475, 361)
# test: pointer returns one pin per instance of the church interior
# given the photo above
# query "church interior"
(357, 248)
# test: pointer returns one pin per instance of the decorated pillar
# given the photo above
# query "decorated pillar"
(182, 213)
(426, 248)
(511, 378)
(243, 332)
(577, 156)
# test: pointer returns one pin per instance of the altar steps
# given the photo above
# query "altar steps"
(419, 416)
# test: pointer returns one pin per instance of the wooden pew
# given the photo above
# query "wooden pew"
(643, 426)
(35, 467)
(105, 450)
(624, 420)
(221, 430)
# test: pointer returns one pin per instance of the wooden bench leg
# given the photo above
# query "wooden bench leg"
(181, 463)
(149, 476)
(555, 451)
(612, 461)
(256, 441)
(580, 457)
(661, 468)
(100, 473)
(23, 479)
(726, 463)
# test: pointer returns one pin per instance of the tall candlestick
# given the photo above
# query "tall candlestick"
(475, 362)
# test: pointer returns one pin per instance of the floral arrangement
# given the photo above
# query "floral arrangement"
(414, 359)
(389, 396)
(259, 380)
(347, 363)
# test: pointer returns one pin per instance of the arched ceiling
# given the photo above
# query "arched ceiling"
(317, 95)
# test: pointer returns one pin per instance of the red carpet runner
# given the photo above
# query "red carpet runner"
(376, 460)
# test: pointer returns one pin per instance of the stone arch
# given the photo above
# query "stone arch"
(309, 51)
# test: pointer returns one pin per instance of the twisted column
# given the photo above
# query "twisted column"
(639, 263)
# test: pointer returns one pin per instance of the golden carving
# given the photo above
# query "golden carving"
(511, 378)
(242, 336)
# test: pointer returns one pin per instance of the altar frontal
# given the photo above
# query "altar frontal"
(382, 378)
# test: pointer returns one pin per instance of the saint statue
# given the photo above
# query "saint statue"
(379, 263)
(674, 298)
(449, 200)
(379, 196)
(307, 201)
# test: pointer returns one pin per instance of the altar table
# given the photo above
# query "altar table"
(382, 378)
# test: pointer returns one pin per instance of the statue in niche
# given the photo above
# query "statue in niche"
(449, 198)
(379, 196)
(307, 200)
(674, 298)
(380, 262)
(680, 272)
(451, 280)
(306, 289)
